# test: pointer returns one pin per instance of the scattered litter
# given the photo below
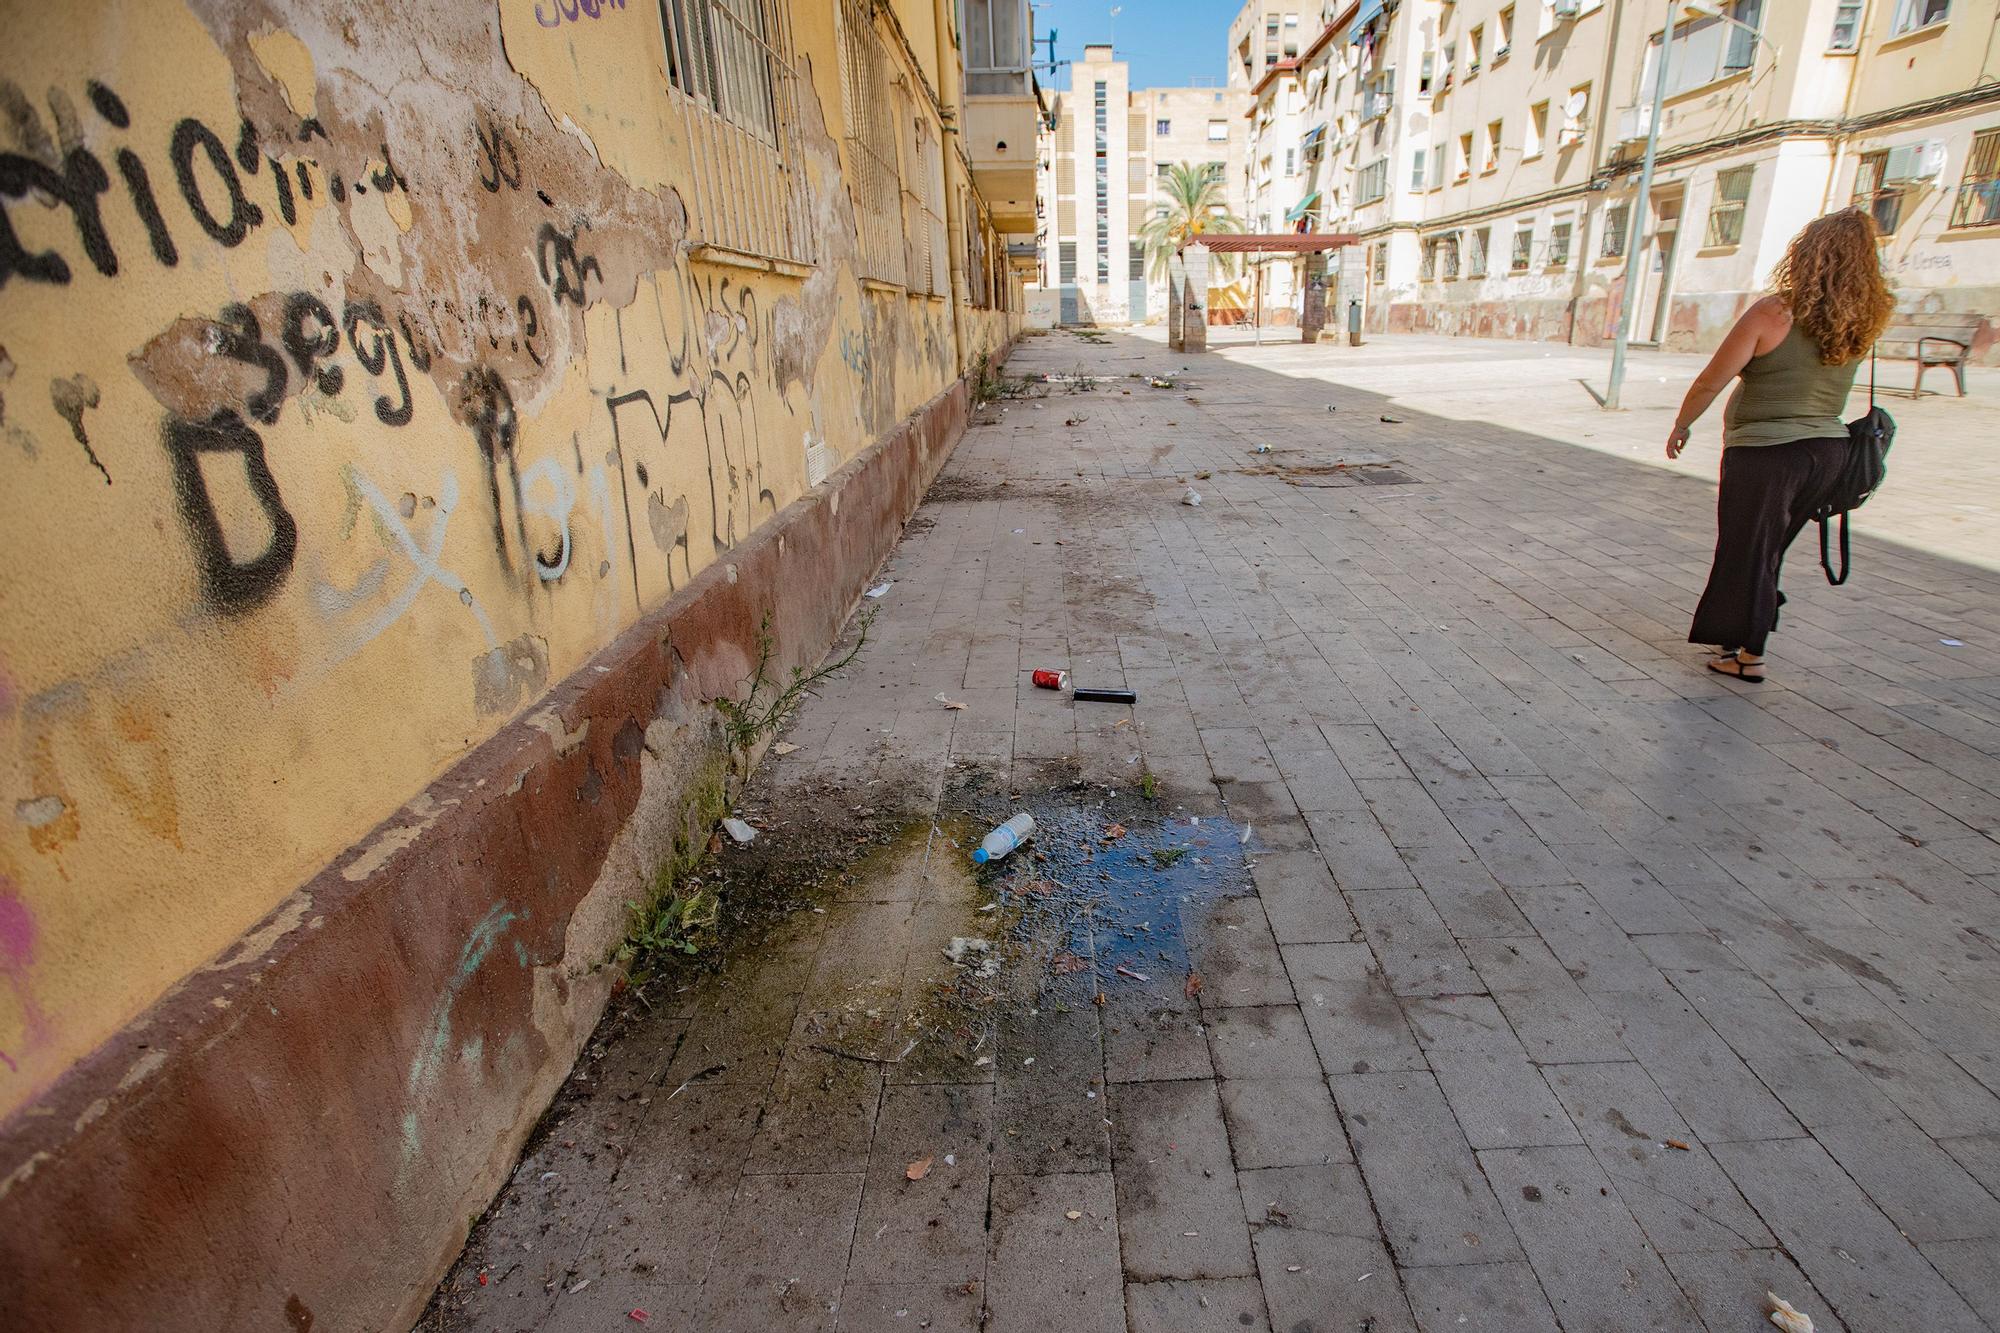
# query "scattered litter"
(1261, 449)
(1203, 476)
(547, 1176)
(1192, 499)
(784, 748)
(1065, 963)
(1787, 1316)
(1125, 971)
(1952, 643)
(1025, 1063)
(1293, 1268)
(1019, 531)
(1114, 832)
(1243, 838)
(1074, 421)
(638, 1316)
(738, 830)
(1158, 383)
(1072, 1214)
(1193, 987)
(879, 589)
(482, 1277)
(988, 908)
(1365, 1276)
(1394, 421)
(1046, 679)
(579, 1286)
(1677, 1144)
(964, 948)
(982, 1062)
(1005, 839)
(951, 1159)
(952, 704)
(1329, 408)
(918, 1169)
(1084, 694)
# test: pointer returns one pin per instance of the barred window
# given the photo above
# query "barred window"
(1873, 191)
(1732, 199)
(1524, 247)
(1617, 221)
(873, 174)
(1978, 203)
(1475, 256)
(1559, 245)
(933, 273)
(1440, 258)
(728, 62)
(1382, 262)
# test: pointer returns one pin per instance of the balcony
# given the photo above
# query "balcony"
(1002, 108)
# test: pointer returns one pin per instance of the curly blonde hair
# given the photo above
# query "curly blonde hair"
(1831, 280)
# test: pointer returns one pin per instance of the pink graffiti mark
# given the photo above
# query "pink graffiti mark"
(17, 952)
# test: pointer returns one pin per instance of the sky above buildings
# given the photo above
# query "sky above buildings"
(1169, 43)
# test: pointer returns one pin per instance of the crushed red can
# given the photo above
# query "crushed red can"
(1051, 680)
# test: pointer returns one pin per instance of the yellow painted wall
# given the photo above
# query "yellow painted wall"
(323, 490)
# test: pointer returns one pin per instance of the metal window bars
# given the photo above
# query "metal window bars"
(1978, 202)
(727, 62)
(870, 110)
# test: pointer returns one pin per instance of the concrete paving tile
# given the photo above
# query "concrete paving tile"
(1640, 904)
(1352, 1015)
(1592, 1259)
(1854, 1255)
(821, 1112)
(1927, 1084)
(1358, 853)
(1494, 1298)
(1364, 751)
(1500, 1099)
(1973, 1269)
(1319, 1198)
(1047, 1269)
(930, 1230)
(1232, 949)
(1727, 1288)
(1597, 953)
(1919, 1185)
(1464, 892)
(1419, 955)
(1268, 1042)
(1300, 899)
(1434, 1203)
(1407, 813)
(868, 1307)
(1282, 1122)
(1316, 778)
(1179, 1214)
(788, 1253)
(579, 1305)
(1707, 1083)
(1222, 1305)
(1314, 1280)
(1678, 1195)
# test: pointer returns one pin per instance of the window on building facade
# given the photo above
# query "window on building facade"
(1437, 166)
(1505, 24)
(1524, 247)
(1978, 203)
(1424, 69)
(1418, 176)
(1448, 256)
(1914, 14)
(929, 263)
(870, 103)
(1846, 35)
(1732, 200)
(1163, 127)
(1291, 161)
(1135, 261)
(1492, 146)
(1475, 42)
(1066, 262)
(1874, 192)
(1218, 131)
(1576, 117)
(1372, 181)
(1475, 252)
(1559, 245)
(1427, 261)
(1382, 261)
(1617, 221)
(1705, 50)
(1464, 155)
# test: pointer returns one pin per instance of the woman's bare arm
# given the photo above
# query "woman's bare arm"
(1761, 328)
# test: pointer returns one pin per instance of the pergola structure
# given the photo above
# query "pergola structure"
(1187, 280)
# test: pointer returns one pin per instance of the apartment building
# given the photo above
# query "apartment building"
(1106, 147)
(1265, 32)
(1487, 153)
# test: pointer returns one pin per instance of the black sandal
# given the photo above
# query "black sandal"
(1732, 664)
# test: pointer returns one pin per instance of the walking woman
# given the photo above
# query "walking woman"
(1782, 434)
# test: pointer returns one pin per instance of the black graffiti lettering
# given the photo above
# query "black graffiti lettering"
(485, 405)
(310, 335)
(230, 584)
(570, 271)
(500, 163)
(239, 338)
(380, 351)
(76, 188)
(246, 150)
(387, 175)
(305, 179)
(531, 326)
(109, 105)
(286, 208)
(189, 135)
(140, 186)
(337, 188)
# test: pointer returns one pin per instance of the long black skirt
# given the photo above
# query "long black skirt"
(1768, 494)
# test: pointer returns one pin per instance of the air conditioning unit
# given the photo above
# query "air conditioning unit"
(1914, 163)
(1635, 122)
(1566, 9)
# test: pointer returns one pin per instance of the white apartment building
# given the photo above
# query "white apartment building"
(1102, 157)
(1486, 154)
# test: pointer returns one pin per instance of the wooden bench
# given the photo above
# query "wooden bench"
(1931, 340)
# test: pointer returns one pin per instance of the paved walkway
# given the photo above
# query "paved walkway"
(1434, 946)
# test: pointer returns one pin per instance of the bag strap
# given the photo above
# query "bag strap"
(1826, 556)
(1871, 377)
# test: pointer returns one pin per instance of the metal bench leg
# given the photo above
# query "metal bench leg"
(1918, 392)
(1958, 372)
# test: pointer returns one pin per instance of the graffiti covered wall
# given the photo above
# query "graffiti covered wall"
(363, 371)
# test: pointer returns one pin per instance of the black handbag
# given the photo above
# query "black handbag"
(1861, 475)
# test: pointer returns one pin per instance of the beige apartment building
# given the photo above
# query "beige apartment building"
(1486, 154)
(1105, 148)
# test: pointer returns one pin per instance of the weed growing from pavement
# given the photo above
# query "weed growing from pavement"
(767, 705)
(1149, 786)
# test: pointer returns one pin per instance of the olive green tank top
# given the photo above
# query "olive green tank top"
(1788, 394)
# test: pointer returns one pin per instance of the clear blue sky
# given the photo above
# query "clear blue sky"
(1169, 43)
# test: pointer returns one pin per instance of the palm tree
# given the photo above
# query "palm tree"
(1190, 203)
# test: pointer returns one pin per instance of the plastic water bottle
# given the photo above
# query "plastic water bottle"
(1005, 839)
